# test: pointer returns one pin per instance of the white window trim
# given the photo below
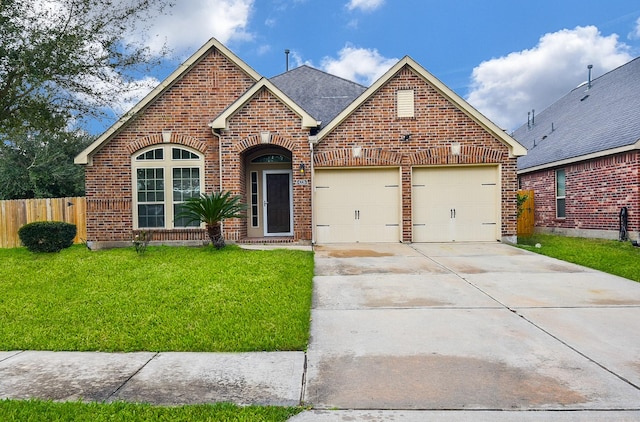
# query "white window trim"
(168, 164)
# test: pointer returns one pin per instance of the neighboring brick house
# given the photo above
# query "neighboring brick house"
(583, 157)
(316, 158)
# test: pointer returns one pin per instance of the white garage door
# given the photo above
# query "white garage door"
(360, 205)
(455, 204)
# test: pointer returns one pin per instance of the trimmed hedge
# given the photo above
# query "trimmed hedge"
(47, 236)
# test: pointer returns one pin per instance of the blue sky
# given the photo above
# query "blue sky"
(505, 57)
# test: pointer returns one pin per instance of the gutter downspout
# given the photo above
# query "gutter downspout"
(217, 135)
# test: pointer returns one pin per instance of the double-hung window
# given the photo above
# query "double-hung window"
(560, 193)
(164, 176)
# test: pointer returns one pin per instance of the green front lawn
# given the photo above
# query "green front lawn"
(611, 256)
(168, 299)
(35, 411)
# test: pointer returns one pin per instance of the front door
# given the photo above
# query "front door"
(278, 209)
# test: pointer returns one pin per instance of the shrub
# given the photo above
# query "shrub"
(141, 241)
(47, 236)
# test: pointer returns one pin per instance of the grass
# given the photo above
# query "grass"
(36, 410)
(611, 256)
(168, 299)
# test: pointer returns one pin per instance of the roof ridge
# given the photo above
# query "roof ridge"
(304, 65)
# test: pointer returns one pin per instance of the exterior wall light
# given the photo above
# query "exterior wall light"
(301, 168)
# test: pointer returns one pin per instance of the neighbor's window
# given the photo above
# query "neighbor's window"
(164, 177)
(560, 193)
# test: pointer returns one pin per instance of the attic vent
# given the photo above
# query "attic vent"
(405, 103)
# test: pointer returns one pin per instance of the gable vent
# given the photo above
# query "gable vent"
(405, 103)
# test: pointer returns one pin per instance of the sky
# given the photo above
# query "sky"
(505, 57)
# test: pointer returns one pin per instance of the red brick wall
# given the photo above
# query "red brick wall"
(595, 192)
(437, 123)
(186, 109)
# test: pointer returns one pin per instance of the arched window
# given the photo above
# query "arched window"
(164, 176)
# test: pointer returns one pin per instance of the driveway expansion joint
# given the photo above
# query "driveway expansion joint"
(590, 359)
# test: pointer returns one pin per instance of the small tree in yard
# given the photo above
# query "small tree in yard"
(212, 210)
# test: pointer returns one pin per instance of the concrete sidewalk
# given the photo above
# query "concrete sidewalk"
(273, 378)
(402, 332)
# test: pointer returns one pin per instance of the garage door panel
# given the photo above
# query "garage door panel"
(359, 205)
(455, 204)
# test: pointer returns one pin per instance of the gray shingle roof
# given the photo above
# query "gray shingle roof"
(320, 94)
(586, 121)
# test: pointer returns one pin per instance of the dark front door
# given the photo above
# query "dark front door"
(277, 206)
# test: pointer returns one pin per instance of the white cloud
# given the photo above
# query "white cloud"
(358, 64)
(505, 88)
(366, 5)
(136, 91)
(635, 35)
(188, 25)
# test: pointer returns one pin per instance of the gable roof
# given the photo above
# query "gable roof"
(85, 156)
(515, 149)
(321, 94)
(222, 120)
(586, 123)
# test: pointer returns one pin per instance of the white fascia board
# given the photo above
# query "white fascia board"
(592, 156)
(222, 121)
(515, 148)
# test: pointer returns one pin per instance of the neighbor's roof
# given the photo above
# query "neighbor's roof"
(586, 123)
(320, 94)
(85, 156)
(515, 149)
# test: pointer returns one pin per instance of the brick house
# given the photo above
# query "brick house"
(316, 158)
(583, 160)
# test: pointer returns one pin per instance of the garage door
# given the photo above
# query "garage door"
(361, 205)
(455, 204)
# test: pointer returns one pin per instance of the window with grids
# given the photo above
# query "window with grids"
(165, 177)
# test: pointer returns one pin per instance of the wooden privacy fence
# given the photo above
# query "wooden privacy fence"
(18, 212)
(526, 219)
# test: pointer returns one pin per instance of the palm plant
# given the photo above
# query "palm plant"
(212, 210)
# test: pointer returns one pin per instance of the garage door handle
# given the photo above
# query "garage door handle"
(453, 212)
(357, 214)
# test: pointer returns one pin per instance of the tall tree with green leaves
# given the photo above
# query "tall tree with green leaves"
(62, 63)
(40, 165)
(65, 60)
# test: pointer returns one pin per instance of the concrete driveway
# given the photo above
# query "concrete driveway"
(469, 326)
